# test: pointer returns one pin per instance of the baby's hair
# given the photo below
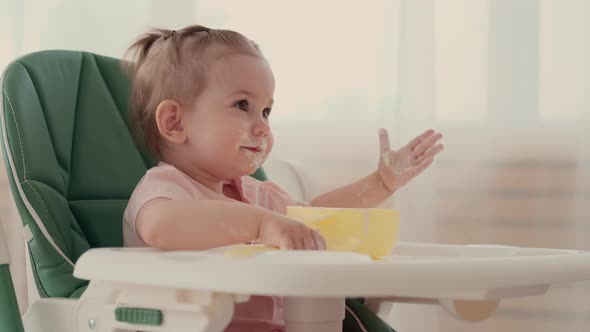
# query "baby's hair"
(171, 64)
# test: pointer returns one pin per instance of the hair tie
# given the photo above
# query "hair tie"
(169, 35)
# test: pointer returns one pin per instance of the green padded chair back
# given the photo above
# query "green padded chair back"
(71, 159)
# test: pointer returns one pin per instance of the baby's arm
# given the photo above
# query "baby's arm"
(395, 169)
(367, 192)
(204, 224)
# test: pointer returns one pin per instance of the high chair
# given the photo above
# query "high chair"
(72, 165)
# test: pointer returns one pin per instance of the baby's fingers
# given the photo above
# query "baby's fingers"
(286, 243)
(383, 141)
(426, 144)
(319, 240)
(433, 151)
(423, 165)
(309, 242)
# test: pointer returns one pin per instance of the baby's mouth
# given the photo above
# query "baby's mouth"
(255, 149)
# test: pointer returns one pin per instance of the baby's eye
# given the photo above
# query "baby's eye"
(242, 104)
(266, 113)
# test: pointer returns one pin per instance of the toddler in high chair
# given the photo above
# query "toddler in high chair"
(201, 101)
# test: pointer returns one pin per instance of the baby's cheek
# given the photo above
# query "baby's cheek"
(214, 144)
(269, 145)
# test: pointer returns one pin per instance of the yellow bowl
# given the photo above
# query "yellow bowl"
(373, 232)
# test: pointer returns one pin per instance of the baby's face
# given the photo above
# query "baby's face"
(228, 127)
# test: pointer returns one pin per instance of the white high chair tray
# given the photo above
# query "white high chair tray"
(475, 272)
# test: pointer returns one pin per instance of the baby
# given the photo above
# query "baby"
(201, 103)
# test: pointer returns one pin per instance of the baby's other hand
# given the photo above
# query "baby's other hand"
(396, 168)
(288, 234)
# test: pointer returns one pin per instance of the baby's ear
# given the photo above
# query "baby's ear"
(169, 121)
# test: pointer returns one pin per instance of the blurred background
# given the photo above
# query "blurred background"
(506, 82)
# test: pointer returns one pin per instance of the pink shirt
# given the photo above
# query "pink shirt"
(261, 313)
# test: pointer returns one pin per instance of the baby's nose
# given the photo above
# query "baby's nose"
(261, 128)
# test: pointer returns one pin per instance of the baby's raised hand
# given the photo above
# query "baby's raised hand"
(396, 168)
(288, 234)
